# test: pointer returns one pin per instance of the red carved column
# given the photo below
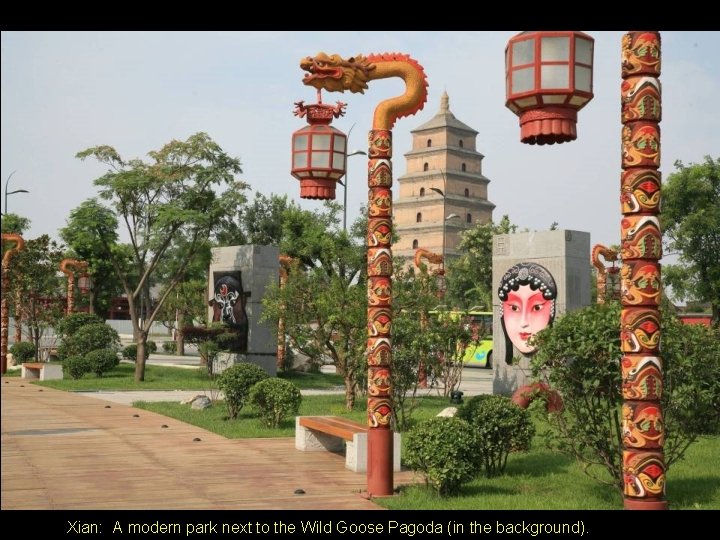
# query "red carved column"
(380, 411)
(4, 312)
(641, 250)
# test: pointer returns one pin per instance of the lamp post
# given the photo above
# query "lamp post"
(4, 319)
(66, 266)
(347, 175)
(549, 78)
(334, 73)
(11, 192)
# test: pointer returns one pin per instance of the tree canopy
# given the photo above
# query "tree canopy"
(470, 276)
(178, 198)
(691, 225)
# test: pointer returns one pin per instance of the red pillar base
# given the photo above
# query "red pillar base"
(641, 504)
(380, 462)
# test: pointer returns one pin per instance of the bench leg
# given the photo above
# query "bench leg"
(308, 440)
(30, 374)
(356, 453)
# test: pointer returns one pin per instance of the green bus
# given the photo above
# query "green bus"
(479, 352)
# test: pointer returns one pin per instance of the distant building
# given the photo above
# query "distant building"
(443, 157)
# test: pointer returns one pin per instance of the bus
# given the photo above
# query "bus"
(479, 352)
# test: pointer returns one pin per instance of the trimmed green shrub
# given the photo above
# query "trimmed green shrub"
(236, 382)
(68, 325)
(89, 338)
(23, 352)
(151, 346)
(102, 360)
(502, 427)
(130, 352)
(169, 347)
(76, 367)
(445, 450)
(276, 399)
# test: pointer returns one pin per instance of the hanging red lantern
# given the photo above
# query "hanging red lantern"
(548, 79)
(85, 283)
(318, 150)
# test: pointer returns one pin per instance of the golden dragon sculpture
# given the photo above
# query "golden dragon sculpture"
(336, 74)
(610, 256)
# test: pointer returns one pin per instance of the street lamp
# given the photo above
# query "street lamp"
(549, 78)
(66, 267)
(4, 319)
(337, 74)
(11, 192)
(345, 184)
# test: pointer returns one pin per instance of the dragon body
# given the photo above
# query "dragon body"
(336, 74)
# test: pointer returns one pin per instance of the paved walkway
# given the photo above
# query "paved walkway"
(61, 450)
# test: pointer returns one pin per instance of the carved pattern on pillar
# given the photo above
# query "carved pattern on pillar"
(641, 248)
(4, 315)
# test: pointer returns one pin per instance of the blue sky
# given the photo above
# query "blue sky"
(65, 91)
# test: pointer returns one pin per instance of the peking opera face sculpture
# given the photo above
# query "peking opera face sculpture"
(228, 303)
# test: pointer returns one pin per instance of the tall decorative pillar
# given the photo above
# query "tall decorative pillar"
(334, 73)
(67, 266)
(641, 250)
(4, 315)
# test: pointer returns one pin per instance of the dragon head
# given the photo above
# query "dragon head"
(334, 74)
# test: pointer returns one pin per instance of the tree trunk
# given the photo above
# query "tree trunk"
(91, 300)
(349, 392)
(140, 358)
(179, 343)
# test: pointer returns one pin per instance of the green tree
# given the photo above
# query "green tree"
(13, 223)
(414, 296)
(258, 222)
(324, 300)
(36, 287)
(470, 276)
(90, 232)
(691, 225)
(169, 200)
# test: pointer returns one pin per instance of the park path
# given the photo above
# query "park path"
(61, 450)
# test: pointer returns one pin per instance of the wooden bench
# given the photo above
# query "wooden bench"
(42, 371)
(335, 434)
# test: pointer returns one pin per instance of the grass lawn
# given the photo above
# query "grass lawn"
(248, 425)
(318, 381)
(539, 479)
(172, 378)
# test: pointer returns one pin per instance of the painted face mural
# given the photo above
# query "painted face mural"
(228, 303)
(527, 292)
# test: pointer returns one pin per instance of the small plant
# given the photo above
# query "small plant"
(151, 346)
(445, 451)
(102, 360)
(130, 352)
(23, 352)
(502, 427)
(68, 325)
(236, 382)
(169, 347)
(76, 367)
(276, 399)
(89, 338)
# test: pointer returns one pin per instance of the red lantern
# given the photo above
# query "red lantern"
(549, 79)
(318, 151)
(85, 283)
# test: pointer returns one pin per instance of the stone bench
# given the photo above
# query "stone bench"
(335, 434)
(41, 371)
